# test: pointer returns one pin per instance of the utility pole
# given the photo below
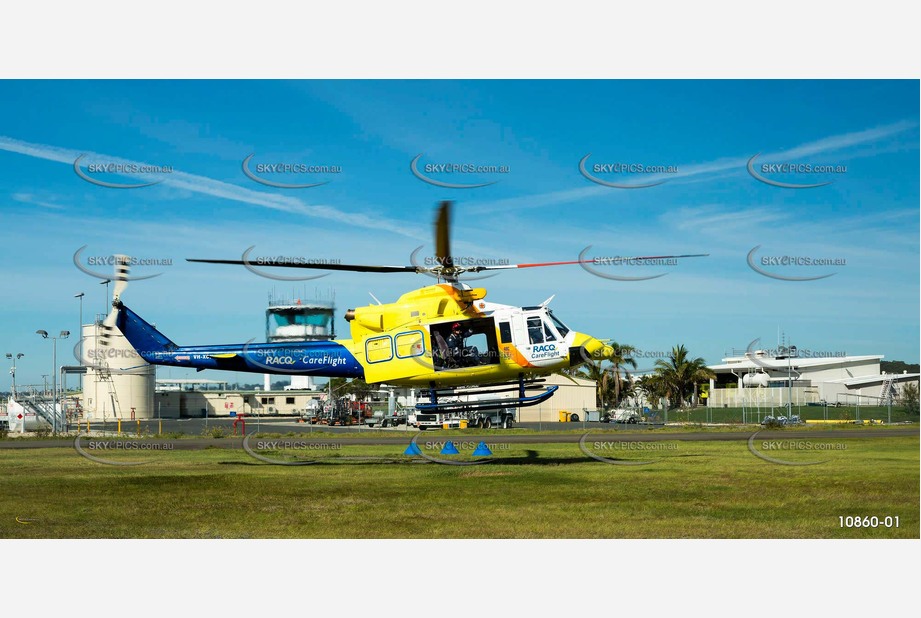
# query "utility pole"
(80, 296)
(14, 357)
(791, 351)
(54, 372)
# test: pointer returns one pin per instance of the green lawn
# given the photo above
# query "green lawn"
(692, 490)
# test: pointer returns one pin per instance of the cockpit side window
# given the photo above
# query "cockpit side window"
(559, 325)
(505, 332)
(548, 333)
(535, 330)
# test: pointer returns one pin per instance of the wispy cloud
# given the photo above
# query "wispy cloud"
(214, 188)
(699, 171)
(846, 140)
(713, 217)
(28, 198)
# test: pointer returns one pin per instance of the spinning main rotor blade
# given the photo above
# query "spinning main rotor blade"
(364, 268)
(625, 259)
(444, 268)
(361, 268)
(443, 236)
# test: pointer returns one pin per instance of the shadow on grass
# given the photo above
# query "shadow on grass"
(530, 458)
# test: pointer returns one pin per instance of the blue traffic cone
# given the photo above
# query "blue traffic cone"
(449, 449)
(412, 449)
(482, 450)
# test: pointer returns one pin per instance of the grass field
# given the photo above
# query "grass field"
(691, 490)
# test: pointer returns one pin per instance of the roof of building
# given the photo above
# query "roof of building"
(782, 363)
(875, 379)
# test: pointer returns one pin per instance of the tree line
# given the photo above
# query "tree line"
(674, 378)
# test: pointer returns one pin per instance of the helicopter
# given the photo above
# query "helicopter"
(445, 338)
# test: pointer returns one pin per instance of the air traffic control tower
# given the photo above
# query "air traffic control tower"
(289, 320)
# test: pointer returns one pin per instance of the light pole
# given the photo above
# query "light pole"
(106, 283)
(54, 376)
(80, 296)
(10, 355)
(791, 351)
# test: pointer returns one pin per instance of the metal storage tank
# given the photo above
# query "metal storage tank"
(118, 382)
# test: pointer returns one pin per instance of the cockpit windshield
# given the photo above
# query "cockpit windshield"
(559, 325)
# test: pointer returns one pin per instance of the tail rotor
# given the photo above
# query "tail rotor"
(122, 269)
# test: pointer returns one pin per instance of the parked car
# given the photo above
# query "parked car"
(383, 419)
(621, 415)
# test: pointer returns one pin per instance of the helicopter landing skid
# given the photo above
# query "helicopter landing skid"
(521, 401)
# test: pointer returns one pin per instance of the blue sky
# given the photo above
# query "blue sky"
(376, 212)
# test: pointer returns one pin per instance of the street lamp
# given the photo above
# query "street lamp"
(80, 296)
(13, 370)
(106, 283)
(791, 352)
(54, 376)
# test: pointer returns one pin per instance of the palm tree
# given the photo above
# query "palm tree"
(653, 388)
(594, 371)
(611, 386)
(681, 374)
(622, 358)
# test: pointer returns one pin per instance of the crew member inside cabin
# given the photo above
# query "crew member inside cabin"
(460, 354)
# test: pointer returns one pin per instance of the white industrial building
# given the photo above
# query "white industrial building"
(760, 378)
(574, 395)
